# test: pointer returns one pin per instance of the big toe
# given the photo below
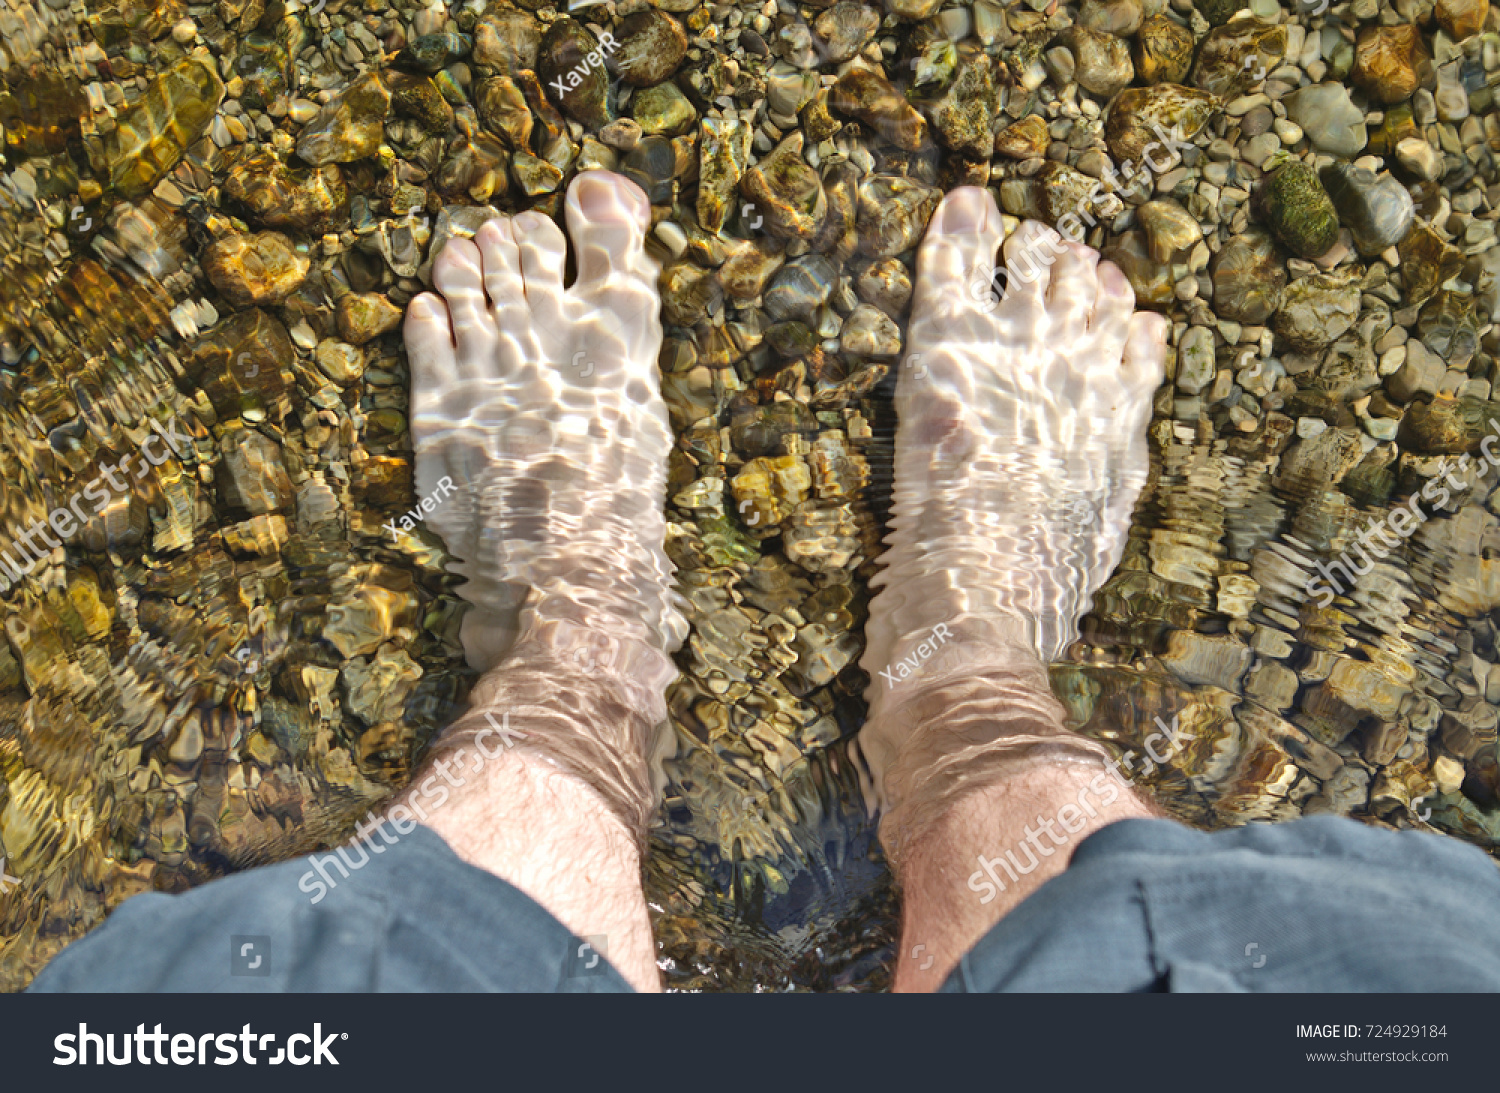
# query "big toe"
(956, 266)
(608, 217)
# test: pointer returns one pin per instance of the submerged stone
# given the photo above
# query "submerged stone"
(651, 46)
(275, 195)
(1166, 112)
(1163, 50)
(1377, 209)
(1391, 62)
(1329, 118)
(723, 153)
(1298, 210)
(252, 270)
(151, 137)
(348, 128)
(1248, 278)
(870, 97)
(570, 65)
(1235, 57)
(1318, 309)
(893, 214)
(787, 192)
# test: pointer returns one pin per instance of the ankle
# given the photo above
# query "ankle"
(591, 705)
(972, 727)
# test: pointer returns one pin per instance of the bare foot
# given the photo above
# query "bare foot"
(1020, 455)
(541, 405)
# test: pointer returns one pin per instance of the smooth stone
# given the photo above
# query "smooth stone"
(1257, 121)
(1461, 18)
(1420, 158)
(651, 46)
(1377, 209)
(348, 128)
(1248, 278)
(1196, 366)
(1329, 118)
(1451, 100)
(364, 316)
(1298, 210)
(1102, 60)
(1163, 51)
(1118, 17)
(869, 332)
(1170, 229)
(1137, 113)
(340, 361)
(251, 270)
(1317, 310)
(1391, 62)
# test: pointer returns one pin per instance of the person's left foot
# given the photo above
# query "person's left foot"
(540, 406)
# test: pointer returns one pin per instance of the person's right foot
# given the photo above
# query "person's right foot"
(1020, 454)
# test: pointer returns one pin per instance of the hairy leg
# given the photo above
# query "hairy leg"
(1020, 455)
(540, 406)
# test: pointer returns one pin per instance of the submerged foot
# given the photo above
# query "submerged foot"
(541, 407)
(1020, 454)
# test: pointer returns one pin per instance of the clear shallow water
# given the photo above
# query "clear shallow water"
(232, 662)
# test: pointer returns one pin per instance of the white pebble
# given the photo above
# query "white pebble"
(672, 237)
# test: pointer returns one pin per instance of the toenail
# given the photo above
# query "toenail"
(963, 214)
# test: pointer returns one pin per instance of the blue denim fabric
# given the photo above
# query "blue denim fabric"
(1321, 904)
(413, 918)
(1146, 905)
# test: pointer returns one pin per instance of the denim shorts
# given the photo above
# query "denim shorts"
(1319, 904)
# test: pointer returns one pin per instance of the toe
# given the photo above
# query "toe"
(1030, 252)
(501, 260)
(1145, 352)
(458, 275)
(544, 259)
(1113, 307)
(607, 218)
(1073, 290)
(429, 349)
(956, 266)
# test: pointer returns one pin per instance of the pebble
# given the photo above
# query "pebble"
(1329, 118)
(1289, 131)
(1420, 158)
